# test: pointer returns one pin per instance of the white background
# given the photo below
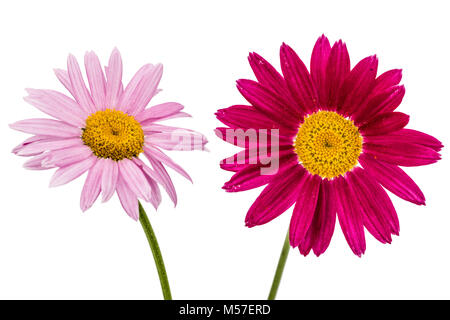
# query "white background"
(49, 249)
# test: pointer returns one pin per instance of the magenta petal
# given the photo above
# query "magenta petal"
(248, 178)
(350, 217)
(338, 67)
(357, 85)
(373, 216)
(304, 208)
(277, 197)
(92, 186)
(267, 102)
(298, 79)
(324, 218)
(319, 60)
(383, 102)
(385, 123)
(393, 178)
(386, 80)
(408, 136)
(402, 154)
(246, 117)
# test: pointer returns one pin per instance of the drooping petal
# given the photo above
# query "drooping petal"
(114, 79)
(350, 218)
(109, 178)
(385, 123)
(319, 60)
(134, 178)
(402, 154)
(277, 197)
(81, 93)
(57, 105)
(298, 79)
(46, 127)
(161, 156)
(92, 186)
(66, 174)
(337, 69)
(357, 85)
(163, 177)
(393, 178)
(128, 199)
(304, 208)
(96, 79)
(373, 216)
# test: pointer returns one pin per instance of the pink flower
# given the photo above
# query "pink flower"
(103, 130)
(340, 142)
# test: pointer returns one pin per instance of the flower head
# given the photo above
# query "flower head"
(104, 130)
(337, 141)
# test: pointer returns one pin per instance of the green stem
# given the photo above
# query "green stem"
(280, 267)
(159, 262)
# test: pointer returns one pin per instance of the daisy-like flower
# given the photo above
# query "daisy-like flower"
(341, 144)
(104, 131)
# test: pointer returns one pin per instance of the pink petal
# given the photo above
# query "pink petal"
(81, 93)
(393, 178)
(337, 69)
(66, 174)
(18, 149)
(159, 155)
(350, 217)
(159, 112)
(385, 123)
(96, 78)
(91, 188)
(43, 145)
(134, 178)
(178, 139)
(357, 85)
(66, 156)
(128, 199)
(114, 79)
(277, 197)
(152, 179)
(46, 127)
(110, 175)
(373, 216)
(298, 79)
(57, 105)
(35, 163)
(304, 208)
(319, 60)
(402, 154)
(163, 177)
(63, 77)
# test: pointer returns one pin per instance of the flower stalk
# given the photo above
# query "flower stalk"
(280, 268)
(157, 256)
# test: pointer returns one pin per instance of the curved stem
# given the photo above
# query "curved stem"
(280, 267)
(159, 262)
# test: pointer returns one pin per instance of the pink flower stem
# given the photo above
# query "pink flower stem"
(280, 267)
(159, 262)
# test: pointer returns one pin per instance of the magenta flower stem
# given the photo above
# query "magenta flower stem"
(159, 262)
(280, 268)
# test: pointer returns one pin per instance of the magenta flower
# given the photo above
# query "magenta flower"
(341, 144)
(104, 130)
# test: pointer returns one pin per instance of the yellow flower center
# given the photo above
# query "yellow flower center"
(328, 144)
(113, 134)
